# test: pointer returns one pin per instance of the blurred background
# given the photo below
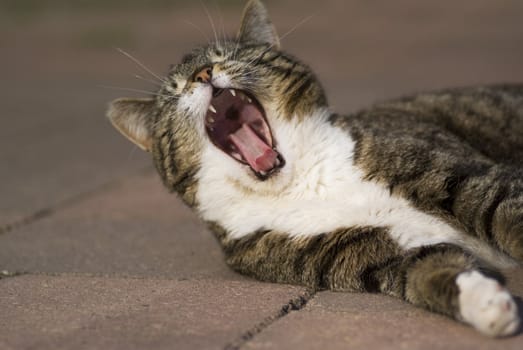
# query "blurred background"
(55, 55)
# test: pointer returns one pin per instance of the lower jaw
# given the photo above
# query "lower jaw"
(266, 175)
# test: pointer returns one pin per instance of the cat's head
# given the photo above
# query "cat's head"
(223, 99)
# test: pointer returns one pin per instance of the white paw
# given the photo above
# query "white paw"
(486, 305)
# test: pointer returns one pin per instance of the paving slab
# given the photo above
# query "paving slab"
(68, 312)
(135, 228)
(371, 321)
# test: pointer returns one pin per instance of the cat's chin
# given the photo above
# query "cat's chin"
(236, 124)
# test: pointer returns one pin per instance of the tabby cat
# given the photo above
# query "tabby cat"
(420, 198)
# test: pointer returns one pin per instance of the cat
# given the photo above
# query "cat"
(419, 198)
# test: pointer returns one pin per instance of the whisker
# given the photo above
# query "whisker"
(303, 21)
(133, 90)
(199, 29)
(236, 45)
(147, 80)
(222, 24)
(300, 23)
(210, 21)
(156, 124)
(140, 64)
(132, 152)
(260, 55)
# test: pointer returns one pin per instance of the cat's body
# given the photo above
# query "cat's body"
(416, 198)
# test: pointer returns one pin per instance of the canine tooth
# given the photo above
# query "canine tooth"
(232, 92)
(248, 99)
(210, 119)
(212, 109)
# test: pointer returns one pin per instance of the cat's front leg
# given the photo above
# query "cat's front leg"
(447, 280)
(442, 278)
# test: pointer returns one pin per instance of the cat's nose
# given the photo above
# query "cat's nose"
(204, 75)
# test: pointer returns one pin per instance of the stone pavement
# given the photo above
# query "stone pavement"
(94, 254)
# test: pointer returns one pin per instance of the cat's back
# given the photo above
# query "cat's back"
(484, 122)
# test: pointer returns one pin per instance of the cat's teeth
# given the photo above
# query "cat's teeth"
(244, 97)
(212, 109)
(210, 119)
(232, 92)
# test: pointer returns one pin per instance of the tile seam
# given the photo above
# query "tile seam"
(294, 305)
(59, 205)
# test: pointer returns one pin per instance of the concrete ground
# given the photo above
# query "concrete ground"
(94, 254)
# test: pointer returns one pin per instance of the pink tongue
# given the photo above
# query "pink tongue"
(256, 152)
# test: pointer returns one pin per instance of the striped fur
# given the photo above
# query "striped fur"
(419, 198)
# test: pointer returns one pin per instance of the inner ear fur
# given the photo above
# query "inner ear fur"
(134, 119)
(256, 25)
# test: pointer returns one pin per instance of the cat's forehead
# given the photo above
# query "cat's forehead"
(199, 57)
(190, 61)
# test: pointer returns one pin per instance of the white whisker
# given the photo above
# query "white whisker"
(147, 80)
(133, 90)
(300, 23)
(140, 64)
(132, 152)
(222, 24)
(200, 30)
(303, 21)
(210, 21)
(237, 44)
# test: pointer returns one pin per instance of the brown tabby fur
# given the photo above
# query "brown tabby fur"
(456, 154)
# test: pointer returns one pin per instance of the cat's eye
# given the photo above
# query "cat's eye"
(218, 52)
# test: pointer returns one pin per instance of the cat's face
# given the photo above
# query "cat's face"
(220, 94)
(226, 96)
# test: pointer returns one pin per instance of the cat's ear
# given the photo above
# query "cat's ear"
(134, 119)
(256, 25)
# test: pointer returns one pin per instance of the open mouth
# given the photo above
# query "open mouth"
(236, 124)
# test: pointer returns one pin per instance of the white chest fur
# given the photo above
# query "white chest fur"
(318, 191)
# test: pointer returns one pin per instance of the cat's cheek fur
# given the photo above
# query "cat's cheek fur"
(196, 102)
(221, 79)
(486, 305)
